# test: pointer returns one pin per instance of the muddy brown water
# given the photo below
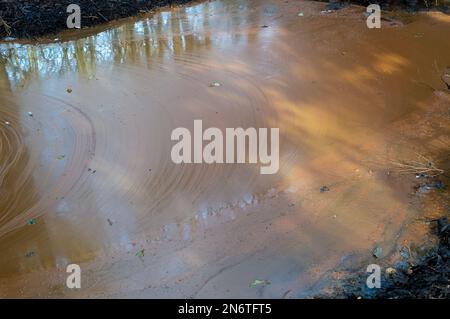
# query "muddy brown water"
(88, 178)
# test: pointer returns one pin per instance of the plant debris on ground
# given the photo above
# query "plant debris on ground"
(428, 278)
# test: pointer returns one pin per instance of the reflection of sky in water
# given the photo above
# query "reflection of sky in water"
(160, 36)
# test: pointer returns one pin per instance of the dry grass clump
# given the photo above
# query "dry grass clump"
(422, 166)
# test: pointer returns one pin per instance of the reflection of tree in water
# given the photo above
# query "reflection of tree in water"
(27, 241)
(18, 191)
(145, 43)
(163, 35)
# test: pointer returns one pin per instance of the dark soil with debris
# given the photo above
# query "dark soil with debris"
(428, 278)
(35, 18)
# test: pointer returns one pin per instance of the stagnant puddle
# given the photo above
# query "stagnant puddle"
(86, 174)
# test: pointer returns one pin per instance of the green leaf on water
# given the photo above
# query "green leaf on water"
(140, 253)
(259, 282)
(60, 157)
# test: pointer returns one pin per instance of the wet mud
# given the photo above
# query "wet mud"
(87, 176)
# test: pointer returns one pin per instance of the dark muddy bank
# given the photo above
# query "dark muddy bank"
(427, 276)
(36, 18)
(428, 279)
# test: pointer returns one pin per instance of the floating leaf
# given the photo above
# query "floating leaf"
(141, 253)
(215, 84)
(377, 252)
(259, 282)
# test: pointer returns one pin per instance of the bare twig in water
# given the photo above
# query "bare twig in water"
(422, 165)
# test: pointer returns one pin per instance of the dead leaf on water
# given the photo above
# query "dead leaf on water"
(215, 84)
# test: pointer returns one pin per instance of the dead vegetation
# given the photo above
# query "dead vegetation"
(36, 18)
(422, 166)
(429, 278)
(5, 26)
